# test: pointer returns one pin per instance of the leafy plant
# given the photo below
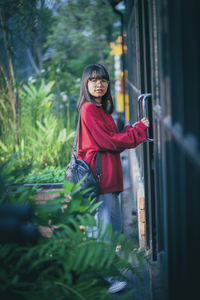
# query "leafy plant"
(49, 143)
(35, 101)
(42, 137)
(48, 175)
(68, 263)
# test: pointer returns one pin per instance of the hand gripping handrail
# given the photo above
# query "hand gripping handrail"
(142, 109)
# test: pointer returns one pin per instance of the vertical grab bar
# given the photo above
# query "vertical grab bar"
(143, 112)
(139, 106)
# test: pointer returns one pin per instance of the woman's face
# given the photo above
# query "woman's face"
(97, 87)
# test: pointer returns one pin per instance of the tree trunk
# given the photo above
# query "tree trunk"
(33, 63)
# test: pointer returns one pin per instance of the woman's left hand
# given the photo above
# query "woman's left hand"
(145, 121)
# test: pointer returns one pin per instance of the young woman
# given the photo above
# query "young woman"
(98, 132)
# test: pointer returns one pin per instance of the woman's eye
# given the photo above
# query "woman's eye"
(103, 80)
(94, 80)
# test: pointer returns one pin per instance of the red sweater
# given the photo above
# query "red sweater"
(98, 132)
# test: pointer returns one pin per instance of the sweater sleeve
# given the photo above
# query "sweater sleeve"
(104, 138)
(126, 128)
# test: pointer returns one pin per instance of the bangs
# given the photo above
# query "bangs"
(98, 73)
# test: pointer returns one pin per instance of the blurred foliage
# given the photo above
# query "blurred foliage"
(45, 45)
(56, 39)
(65, 263)
(10, 170)
(80, 35)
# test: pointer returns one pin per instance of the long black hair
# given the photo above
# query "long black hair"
(100, 73)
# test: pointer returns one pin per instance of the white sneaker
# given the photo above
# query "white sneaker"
(117, 286)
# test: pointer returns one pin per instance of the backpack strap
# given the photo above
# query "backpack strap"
(98, 155)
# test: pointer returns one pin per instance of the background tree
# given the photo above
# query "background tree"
(20, 26)
(43, 42)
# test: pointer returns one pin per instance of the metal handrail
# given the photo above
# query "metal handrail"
(144, 98)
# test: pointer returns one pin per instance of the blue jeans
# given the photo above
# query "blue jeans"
(109, 212)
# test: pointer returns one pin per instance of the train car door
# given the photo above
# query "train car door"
(140, 91)
(145, 109)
